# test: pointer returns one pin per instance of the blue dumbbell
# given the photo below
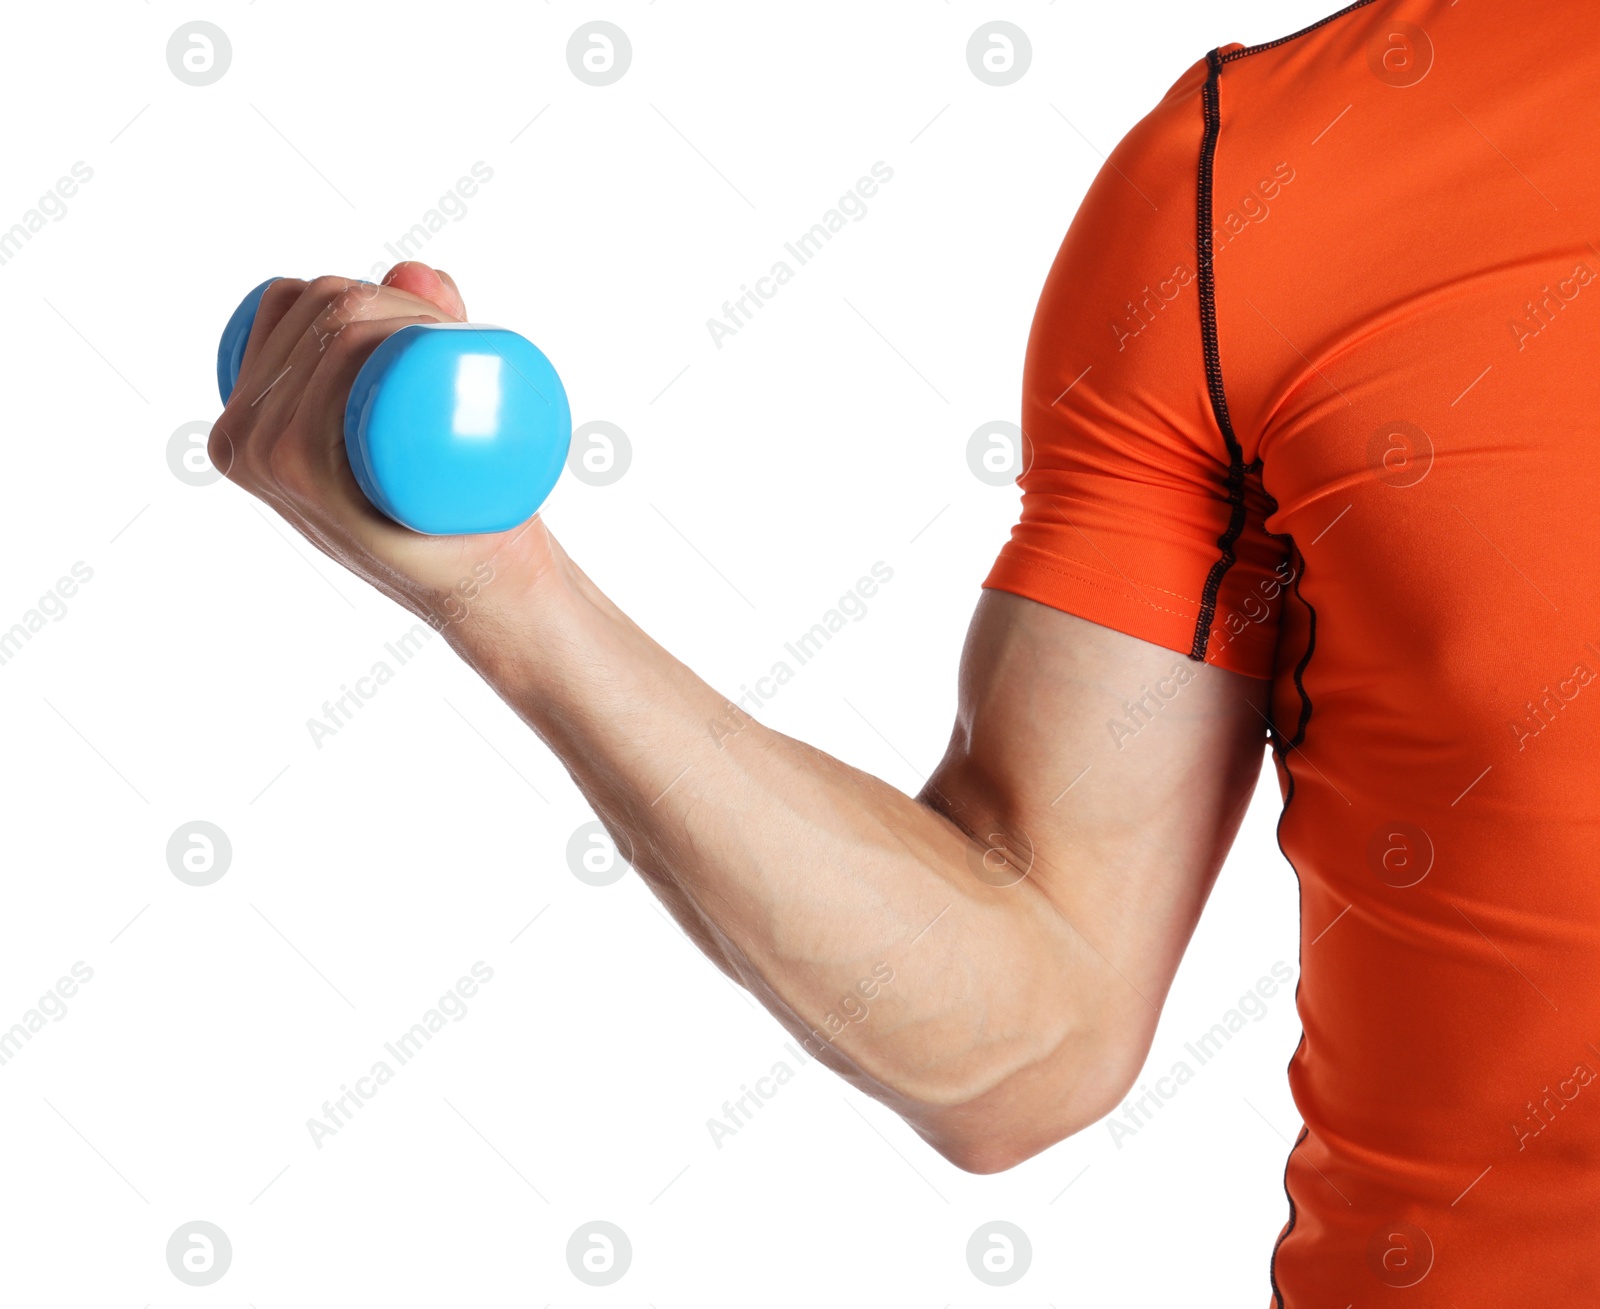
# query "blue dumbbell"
(451, 428)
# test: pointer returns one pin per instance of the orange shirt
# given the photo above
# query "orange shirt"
(1312, 394)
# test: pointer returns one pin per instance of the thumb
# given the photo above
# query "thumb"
(429, 284)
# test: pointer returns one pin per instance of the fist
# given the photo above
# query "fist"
(281, 437)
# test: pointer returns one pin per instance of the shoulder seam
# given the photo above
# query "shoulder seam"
(1210, 99)
(1234, 483)
(1293, 36)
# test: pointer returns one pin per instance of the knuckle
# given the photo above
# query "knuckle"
(278, 298)
(327, 329)
(349, 307)
(222, 450)
(253, 460)
(329, 294)
(328, 287)
(354, 342)
(288, 468)
(339, 342)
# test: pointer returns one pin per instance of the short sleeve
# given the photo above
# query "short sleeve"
(1138, 513)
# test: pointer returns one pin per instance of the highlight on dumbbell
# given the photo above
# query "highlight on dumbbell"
(451, 428)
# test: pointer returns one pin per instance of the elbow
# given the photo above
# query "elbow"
(983, 1157)
(1032, 1109)
(997, 1148)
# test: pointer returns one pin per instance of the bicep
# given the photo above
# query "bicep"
(1114, 683)
(1108, 773)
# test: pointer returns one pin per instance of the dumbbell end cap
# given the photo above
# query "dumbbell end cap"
(235, 336)
(457, 428)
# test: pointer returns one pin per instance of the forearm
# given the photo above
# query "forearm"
(855, 913)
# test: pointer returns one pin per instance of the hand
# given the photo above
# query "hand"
(281, 437)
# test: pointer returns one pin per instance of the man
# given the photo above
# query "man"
(1313, 457)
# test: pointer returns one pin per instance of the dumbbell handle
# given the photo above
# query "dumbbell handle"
(450, 428)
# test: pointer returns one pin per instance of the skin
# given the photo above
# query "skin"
(988, 958)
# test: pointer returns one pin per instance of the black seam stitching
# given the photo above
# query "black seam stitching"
(1211, 99)
(1288, 1227)
(1281, 749)
(1305, 659)
(1294, 36)
(1211, 102)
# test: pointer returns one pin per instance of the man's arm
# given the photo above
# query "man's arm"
(994, 954)
(1029, 909)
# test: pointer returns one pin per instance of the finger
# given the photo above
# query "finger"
(309, 462)
(275, 302)
(286, 310)
(428, 283)
(290, 307)
(258, 412)
(304, 473)
(265, 379)
(451, 283)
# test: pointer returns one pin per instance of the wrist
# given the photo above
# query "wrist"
(510, 603)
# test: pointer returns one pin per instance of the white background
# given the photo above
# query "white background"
(369, 874)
